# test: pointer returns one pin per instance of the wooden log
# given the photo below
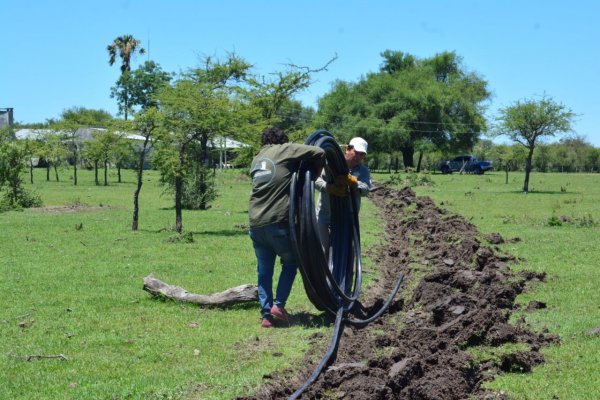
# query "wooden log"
(239, 294)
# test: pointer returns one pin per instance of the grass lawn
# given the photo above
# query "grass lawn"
(71, 279)
(71, 283)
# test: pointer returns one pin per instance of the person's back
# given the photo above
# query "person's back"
(271, 174)
(268, 211)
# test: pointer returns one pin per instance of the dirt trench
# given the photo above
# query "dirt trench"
(459, 292)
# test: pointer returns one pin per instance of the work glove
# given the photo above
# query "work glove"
(338, 187)
(351, 180)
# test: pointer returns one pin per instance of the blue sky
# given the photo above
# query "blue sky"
(53, 53)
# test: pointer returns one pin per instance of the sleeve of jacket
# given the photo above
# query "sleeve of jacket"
(320, 184)
(364, 181)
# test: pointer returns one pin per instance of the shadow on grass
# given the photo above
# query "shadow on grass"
(220, 232)
(534, 192)
(309, 320)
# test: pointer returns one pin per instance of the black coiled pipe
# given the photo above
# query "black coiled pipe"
(332, 280)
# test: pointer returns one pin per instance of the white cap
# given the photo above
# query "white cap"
(359, 144)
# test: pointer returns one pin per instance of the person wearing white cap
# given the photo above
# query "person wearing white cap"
(355, 154)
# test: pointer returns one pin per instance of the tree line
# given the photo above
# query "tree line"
(569, 155)
(412, 111)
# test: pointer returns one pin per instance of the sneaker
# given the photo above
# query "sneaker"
(280, 314)
(266, 323)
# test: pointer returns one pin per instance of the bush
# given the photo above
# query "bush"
(10, 200)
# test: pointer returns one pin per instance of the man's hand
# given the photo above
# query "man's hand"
(340, 185)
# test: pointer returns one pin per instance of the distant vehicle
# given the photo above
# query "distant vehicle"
(465, 163)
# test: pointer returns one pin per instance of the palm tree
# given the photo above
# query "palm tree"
(125, 47)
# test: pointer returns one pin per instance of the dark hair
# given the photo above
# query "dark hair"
(274, 136)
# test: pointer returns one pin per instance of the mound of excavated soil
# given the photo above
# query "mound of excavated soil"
(458, 292)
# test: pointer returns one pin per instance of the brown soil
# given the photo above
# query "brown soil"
(459, 292)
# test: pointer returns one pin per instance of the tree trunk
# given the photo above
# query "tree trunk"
(96, 173)
(138, 188)
(407, 156)
(419, 161)
(75, 171)
(239, 294)
(203, 173)
(179, 192)
(178, 196)
(31, 172)
(119, 173)
(528, 170)
(56, 172)
(15, 186)
(126, 104)
(48, 172)
(105, 172)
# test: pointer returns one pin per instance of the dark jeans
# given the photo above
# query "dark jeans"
(269, 242)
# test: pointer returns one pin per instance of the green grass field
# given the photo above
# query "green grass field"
(71, 284)
(78, 292)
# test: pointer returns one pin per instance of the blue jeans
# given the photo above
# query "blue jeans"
(269, 242)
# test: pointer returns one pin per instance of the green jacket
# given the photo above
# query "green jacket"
(271, 173)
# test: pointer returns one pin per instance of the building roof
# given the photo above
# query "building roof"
(86, 134)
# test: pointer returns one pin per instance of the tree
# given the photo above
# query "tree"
(102, 147)
(93, 152)
(197, 107)
(271, 95)
(125, 47)
(138, 90)
(148, 124)
(577, 152)
(121, 154)
(71, 121)
(33, 148)
(529, 121)
(54, 151)
(13, 159)
(409, 102)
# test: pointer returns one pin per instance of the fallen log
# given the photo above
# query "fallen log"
(239, 294)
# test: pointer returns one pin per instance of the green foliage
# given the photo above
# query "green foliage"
(14, 156)
(81, 117)
(418, 179)
(411, 179)
(53, 149)
(554, 221)
(199, 188)
(394, 179)
(138, 90)
(409, 102)
(529, 121)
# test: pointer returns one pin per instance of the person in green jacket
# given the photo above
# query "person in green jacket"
(271, 173)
